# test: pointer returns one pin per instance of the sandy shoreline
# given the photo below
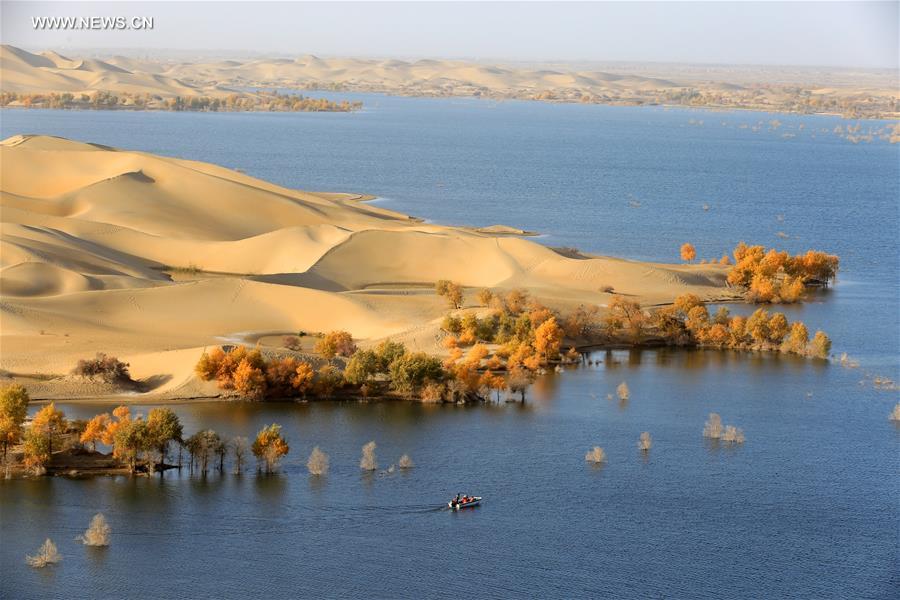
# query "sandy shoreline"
(115, 251)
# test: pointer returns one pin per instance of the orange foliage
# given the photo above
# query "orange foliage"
(94, 430)
(494, 363)
(778, 328)
(685, 302)
(336, 343)
(279, 376)
(477, 353)
(548, 339)
(493, 382)
(625, 314)
(455, 355)
(249, 381)
(303, 378)
(798, 339)
(717, 335)
(50, 422)
(539, 314)
(773, 276)
(467, 338)
(269, 446)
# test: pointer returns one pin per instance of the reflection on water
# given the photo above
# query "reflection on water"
(671, 505)
(271, 489)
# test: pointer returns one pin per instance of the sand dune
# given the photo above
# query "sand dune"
(27, 73)
(51, 71)
(853, 92)
(153, 258)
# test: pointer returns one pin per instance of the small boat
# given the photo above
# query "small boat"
(465, 502)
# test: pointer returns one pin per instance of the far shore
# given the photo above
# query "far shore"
(199, 85)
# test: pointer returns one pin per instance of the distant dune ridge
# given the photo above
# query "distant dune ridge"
(152, 259)
(24, 72)
(854, 93)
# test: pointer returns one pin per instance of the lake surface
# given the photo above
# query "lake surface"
(807, 507)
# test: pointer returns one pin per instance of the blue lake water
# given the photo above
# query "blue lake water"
(807, 507)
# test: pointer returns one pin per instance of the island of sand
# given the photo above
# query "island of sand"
(155, 260)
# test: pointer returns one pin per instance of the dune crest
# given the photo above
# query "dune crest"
(153, 259)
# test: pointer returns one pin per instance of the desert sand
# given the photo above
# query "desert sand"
(857, 93)
(155, 259)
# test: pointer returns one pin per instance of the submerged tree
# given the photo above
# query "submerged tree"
(269, 446)
(47, 554)
(239, 447)
(820, 346)
(733, 435)
(367, 462)
(518, 381)
(713, 429)
(645, 442)
(131, 438)
(318, 462)
(97, 533)
(405, 462)
(203, 446)
(163, 426)
(895, 414)
(595, 455)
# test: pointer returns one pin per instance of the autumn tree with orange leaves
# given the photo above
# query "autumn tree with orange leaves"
(49, 422)
(548, 339)
(269, 447)
(94, 430)
(688, 252)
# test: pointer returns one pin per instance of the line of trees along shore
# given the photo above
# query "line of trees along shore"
(138, 443)
(141, 444)
(502, 350)
(257, 101)
(506, 348)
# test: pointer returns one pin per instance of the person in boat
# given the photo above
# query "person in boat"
(456, 500)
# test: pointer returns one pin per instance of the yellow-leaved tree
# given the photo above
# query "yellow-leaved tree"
(269, 446)
(548, 339)
(49, 422)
